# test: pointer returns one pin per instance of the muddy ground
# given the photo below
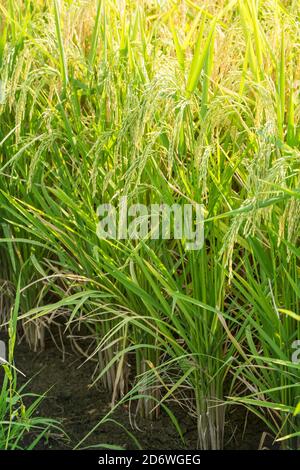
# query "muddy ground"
(79, 407)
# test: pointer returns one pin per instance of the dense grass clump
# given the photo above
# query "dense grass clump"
(165, 102)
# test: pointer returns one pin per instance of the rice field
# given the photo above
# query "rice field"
(161, 104)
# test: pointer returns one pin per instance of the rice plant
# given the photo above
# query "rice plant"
(166, 103)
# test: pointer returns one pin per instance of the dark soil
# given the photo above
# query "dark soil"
(79, 407)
